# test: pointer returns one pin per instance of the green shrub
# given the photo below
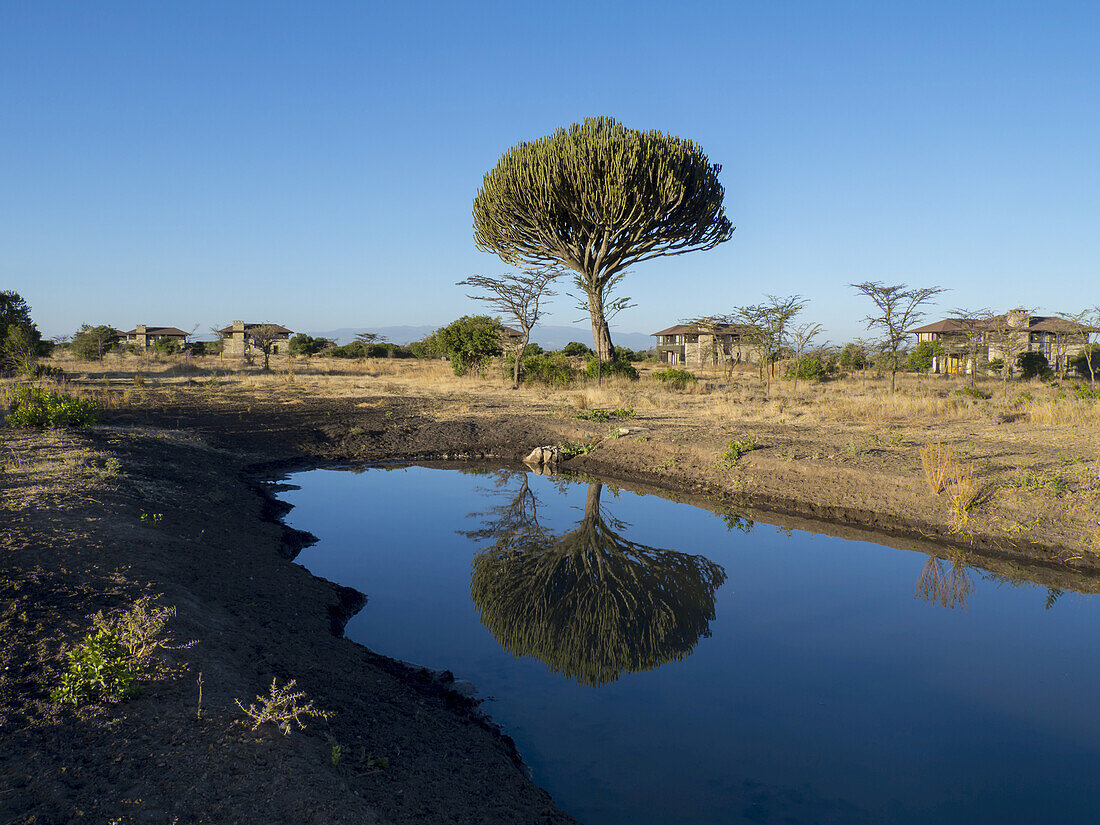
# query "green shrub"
(734, 451)
(604, 416)
(973, 392)
(610, 368)
(36, 407)
(853, 357)
(808, 369)
(46, 371)
(920, 359)
(552, 369)
(576, 348)
(92, 343)
(302, 344)
(470, 342)
(1091, 353)
(676, 379)
(1086, 393)
(166, 345)
(1033, 365)
(99, 668)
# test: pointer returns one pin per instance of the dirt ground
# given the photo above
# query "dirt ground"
(168, 498)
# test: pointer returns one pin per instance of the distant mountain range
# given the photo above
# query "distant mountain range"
(548, 337)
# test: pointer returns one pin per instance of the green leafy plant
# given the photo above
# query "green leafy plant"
(282, 706)
(608, 369)
(676, 379)
(34, 407)
(734, 450)
(571, 449)
(603, 416)
(99, 669)
(1084, 393)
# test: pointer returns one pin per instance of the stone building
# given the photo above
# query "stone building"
(696, 345)
(1058, 339)
(237, 338)
(145, 336)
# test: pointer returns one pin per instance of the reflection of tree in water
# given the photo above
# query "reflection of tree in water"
(589, 603)
(947, 588)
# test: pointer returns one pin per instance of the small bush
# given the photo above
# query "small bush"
(1033, 365)
(610, 368)
(45, 371)
(972, 392)
(604, 416)
(576, 348)
(676, 379)
(552, 369)
(734, 451)
(939, 463)
(99, 668)
(38, 408)
(808, 369)
(1086, 393)
(282, 705)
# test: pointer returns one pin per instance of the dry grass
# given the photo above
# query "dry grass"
(939, 462)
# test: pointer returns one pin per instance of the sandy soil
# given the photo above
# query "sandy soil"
(196, 453)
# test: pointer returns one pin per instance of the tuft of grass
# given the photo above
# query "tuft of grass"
(939, 463)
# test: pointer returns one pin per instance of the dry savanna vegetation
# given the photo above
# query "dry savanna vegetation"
(1014, 464)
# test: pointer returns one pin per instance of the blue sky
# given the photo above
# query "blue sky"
(314, 164)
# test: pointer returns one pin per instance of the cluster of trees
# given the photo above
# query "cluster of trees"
(21, 343)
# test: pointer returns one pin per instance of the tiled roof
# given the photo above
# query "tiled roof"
(699, 329)
(1036, 323)
(278, 328)
(159, 331)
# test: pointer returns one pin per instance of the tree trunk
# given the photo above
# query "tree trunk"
(601, 333)
(519, 355)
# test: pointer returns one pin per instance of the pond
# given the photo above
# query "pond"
(658, 663)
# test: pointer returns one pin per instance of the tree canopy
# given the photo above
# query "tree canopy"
(596, 198)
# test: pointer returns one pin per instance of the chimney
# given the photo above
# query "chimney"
(238, 326)
(1017, 318)
(140, 329)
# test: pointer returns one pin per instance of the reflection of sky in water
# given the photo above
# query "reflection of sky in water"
(826, 693)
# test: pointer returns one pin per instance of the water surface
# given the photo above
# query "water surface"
(657, 663)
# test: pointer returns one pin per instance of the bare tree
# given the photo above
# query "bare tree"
(263, 337)
(802, 337)
(1009, 343)
(1089, 320)
(716, 326)
(975, 325)
(768, 323)
(897, 307)
(518, 295)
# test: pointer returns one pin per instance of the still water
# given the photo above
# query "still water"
(656, 663)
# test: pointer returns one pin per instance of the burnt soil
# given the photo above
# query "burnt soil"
(75, 542)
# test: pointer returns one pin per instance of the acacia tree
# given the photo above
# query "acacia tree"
(519, 296)
(768, 324)
(263, 337)
(596, 198)
(897, 307)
